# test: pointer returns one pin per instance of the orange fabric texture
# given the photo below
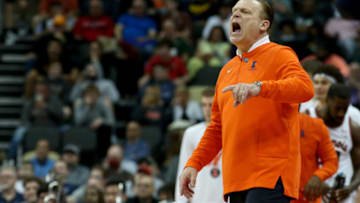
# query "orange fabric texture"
(260, 139)
(315, 144)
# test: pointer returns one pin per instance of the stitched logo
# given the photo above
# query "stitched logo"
(253, 65)
(302, 133)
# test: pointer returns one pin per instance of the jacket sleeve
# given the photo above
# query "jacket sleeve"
(211, 143)
(327, 155)
(293, 84)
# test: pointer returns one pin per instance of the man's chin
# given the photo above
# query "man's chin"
(235, 39)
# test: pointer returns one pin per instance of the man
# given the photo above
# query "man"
(209, 185)
(78, 174)
(32, 186)
(315, 144)
(257, 125)
(135, 148)
(144, 188)
(8, 179)
(42, 164)
(115, 163)
(114, 191)
(345, 135)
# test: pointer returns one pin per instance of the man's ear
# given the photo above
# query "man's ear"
(264, 25)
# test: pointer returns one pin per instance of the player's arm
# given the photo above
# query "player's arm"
(326, 152)
(355, 156)
(187, 147)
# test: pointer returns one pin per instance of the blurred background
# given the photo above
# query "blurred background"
(96, 94)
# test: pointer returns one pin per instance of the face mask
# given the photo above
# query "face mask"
(114, 163)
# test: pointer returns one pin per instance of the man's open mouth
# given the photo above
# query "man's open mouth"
(236, 27)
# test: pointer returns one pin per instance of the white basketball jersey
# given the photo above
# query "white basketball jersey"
(341, 138)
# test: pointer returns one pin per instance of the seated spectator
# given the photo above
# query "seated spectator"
(221, 19)
(56, 83)
(151, 111)
(70, 7)
(326, 52)
(185, 109)
(136, 28)
(56, 17)
(149, 166)
(144, 189)
(160, 77)
(78, 174)
(61, 174)
(92, 111)
(107, 88)
(8, 179)
(115, 191)
(135, 148)
(32, 187)
(163, 57)
(115, 164)
(43, 109)
(23, 172)
(212, 52)
(47, 53)
(42, 163)
(95, 24)
(170, 32)
(18, 17)
(93, 195)
(96, 179)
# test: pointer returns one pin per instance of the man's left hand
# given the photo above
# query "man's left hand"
(342, 194)
(314, 188)
(241, 92)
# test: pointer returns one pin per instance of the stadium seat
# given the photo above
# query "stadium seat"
(52, 134)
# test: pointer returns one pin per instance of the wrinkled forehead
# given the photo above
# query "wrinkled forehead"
(252, 5)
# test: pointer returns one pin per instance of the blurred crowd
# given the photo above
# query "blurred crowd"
(89, 57)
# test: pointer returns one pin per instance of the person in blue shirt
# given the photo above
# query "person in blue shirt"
(42, 163)
(136, 28)
(135, 148)
(8, 179)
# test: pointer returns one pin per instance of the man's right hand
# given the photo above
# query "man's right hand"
(187, 182)
(314, 188)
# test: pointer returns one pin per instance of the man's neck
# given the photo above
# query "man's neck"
(247, 47)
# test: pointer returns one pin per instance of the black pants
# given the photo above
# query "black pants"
(261, 195)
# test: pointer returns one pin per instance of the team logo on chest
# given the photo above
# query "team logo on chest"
(215, 172)
(253, 65)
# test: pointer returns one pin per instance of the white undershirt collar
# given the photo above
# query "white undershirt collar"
(258, 43)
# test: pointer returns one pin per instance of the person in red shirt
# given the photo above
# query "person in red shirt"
(164, 57)
(96, 24)
(255, 115)
(315, 144)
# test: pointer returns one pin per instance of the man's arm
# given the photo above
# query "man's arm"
(355, 156)
(293, 86)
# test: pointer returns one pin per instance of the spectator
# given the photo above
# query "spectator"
(78, 174)
(70, 7)
(136, 28)
(32, 187)
(23, 172)
(115, 164)
(163, 57)
(115, 191)
(144, 189)
(42, 164)
(212, 52)
(160, 78)
(61, 173)
(184, 108)
(56, 83)
(96, 179)
(149, 166)
(95, 24)
(222, 19)
(8, 180)
(135, 148)
(166, 193)
(107, 88)
(93, 195)
(43, 109)
(151, 110)
(93, 112)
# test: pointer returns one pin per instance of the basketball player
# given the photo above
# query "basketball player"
(209, 187)
(345, 135)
